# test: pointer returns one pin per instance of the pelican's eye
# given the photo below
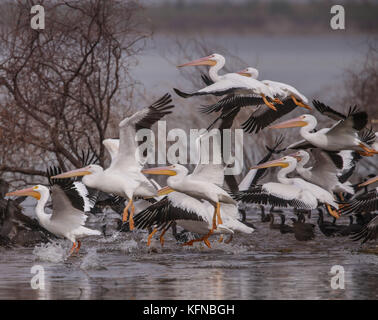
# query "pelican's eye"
(35, 188)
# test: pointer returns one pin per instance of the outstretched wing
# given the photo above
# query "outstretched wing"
(328, 111)
(355, 121)
(232, 101)
(275, 194)
(263, 116)
(369, 232)
(64, 214)
(367, 202)
(162, 213)
(128, 155)
(206, 79)
(75, 191)
(219, 88)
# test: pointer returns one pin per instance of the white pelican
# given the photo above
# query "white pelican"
(324, 172)
(288, 98)
(192, 215)
(228, 83)
(199, 185)
(209, 176)
(66, 220)
(282, 90)
(341, 136)
(124, 177)
(289, 192)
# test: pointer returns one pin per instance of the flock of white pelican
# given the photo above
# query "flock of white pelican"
(313, 174)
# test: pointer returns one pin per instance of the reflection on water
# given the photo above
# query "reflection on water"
(264, 265)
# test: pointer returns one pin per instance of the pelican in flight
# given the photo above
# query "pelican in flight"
(282, 90)
(343, 135)
(288, 98)
(199, 185)
(192, 215)
(325, 170)
(67, 218)
(289, 192)
(228, 83)
(191, 199)
(124, 176)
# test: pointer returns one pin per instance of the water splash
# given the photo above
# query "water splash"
(92, 261)
(129, 246)
(51, 252)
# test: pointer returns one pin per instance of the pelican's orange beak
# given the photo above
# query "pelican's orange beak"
(167, 171)
(205, 61)
(244, 73)
(73, 173)
(296, 155)
(275, 163)
(370, 181)
(30, 192)
(292, 123)
(164, 191)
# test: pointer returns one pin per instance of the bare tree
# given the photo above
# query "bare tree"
(64, 87)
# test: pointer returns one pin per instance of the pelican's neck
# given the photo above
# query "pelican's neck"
(282, 174)
(306, 130)
(94, 180)
(40, 208)
(176, 181)
(300, 165)
(213, 71)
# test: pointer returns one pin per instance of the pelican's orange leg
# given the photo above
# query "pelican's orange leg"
(333, 213)
(205, 239)
(131, 218)
(368, 151)
(218, 213)
(78, 246)
(73, 248)
(271, 106)
(300, 104)
(161, 238)
(150, 236)
(126, 212)
(276, 100)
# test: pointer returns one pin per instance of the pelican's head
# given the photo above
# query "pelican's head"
(370, 181)
(281, 162)
(171, 170)
(88, 170)
(35, 192)
(301, 121)
(210, 60)
(302, 156)
(249, 72)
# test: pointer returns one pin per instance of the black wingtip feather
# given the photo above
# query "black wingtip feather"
(360, 120)
(182, 94)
